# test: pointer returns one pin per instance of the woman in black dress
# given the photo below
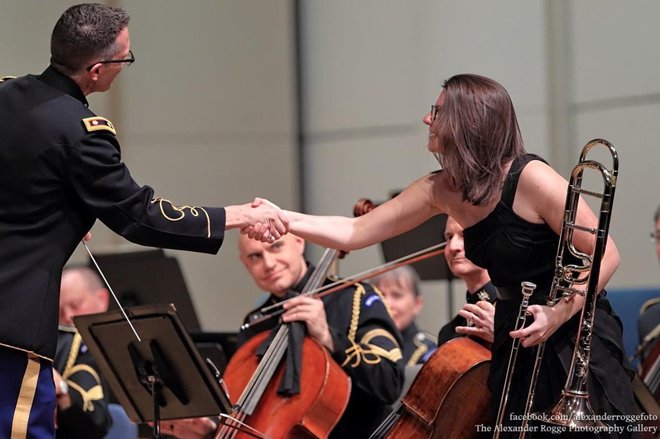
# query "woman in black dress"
(511, 205)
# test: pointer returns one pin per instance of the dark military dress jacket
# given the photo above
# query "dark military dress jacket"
(447, 332)
(88, 416)
(367, 347)
(417, 345)
(61, 170)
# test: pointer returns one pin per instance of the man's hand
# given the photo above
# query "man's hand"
(193, 428)
(311, 311)
(61, 392)
(260, 220)
(482, 315)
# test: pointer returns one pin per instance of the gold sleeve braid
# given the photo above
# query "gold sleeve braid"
(182, 212)
(372, 354)
(420, 350)
(88, 396)
(73, 354)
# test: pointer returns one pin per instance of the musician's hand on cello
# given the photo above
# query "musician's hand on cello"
(311, 311)
(482, 315)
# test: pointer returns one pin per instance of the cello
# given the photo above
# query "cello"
(448, 397)
(312, 413)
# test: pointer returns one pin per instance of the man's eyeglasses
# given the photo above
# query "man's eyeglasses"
(655, 236)
(127, 61)
(434, 112)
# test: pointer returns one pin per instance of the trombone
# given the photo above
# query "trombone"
(573, 409)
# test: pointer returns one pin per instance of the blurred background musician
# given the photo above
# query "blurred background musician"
(82, 399)
(401, 290)
(477, 316)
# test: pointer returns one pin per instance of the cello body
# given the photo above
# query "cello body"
(449, 396)
(325, 390)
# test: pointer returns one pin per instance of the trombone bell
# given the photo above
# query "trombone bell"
(573, 411)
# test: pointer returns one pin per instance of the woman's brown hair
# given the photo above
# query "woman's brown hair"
(478, 130)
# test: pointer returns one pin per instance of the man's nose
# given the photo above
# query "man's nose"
(269, 260)
(455, 245)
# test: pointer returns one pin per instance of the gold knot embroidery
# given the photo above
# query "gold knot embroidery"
(356, 355)
(181, 210)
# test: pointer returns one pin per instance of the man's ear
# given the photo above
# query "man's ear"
(104, 298)
(419, 304)
(94, 73)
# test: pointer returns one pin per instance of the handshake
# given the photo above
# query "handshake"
(260, 220)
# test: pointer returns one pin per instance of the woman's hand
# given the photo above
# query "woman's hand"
(546, 321)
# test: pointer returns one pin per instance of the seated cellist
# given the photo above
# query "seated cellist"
(477, 316)
(352, 324)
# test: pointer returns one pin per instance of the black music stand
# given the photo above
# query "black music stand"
(126, 273)
(160, 377)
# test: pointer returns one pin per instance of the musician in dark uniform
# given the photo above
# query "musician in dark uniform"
(61, 171)
(82, 400)
(82, 397)
(352, 324)
(478, 314)
(400, 287)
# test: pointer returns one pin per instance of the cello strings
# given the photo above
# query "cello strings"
(241, 427)
(264, 374)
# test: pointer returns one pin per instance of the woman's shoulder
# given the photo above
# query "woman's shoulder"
(540, 189)
(538, 172)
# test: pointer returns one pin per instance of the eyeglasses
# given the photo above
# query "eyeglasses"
(655, 236)
(127, 61)
(434, 112)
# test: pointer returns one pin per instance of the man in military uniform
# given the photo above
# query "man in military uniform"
(352, 324)
(82, 400)
(61, 171)
(476, 319)
(400, 287)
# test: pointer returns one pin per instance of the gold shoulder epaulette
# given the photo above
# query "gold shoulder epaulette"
(7, 78)
(98, 123)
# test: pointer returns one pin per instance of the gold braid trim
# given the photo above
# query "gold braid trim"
(181, 210)
(356, 354)
(373, 354)
(88, 396)
(419, 352)
(355, 316)
(73, 354)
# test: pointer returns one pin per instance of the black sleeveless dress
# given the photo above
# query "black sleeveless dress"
(514, 250)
